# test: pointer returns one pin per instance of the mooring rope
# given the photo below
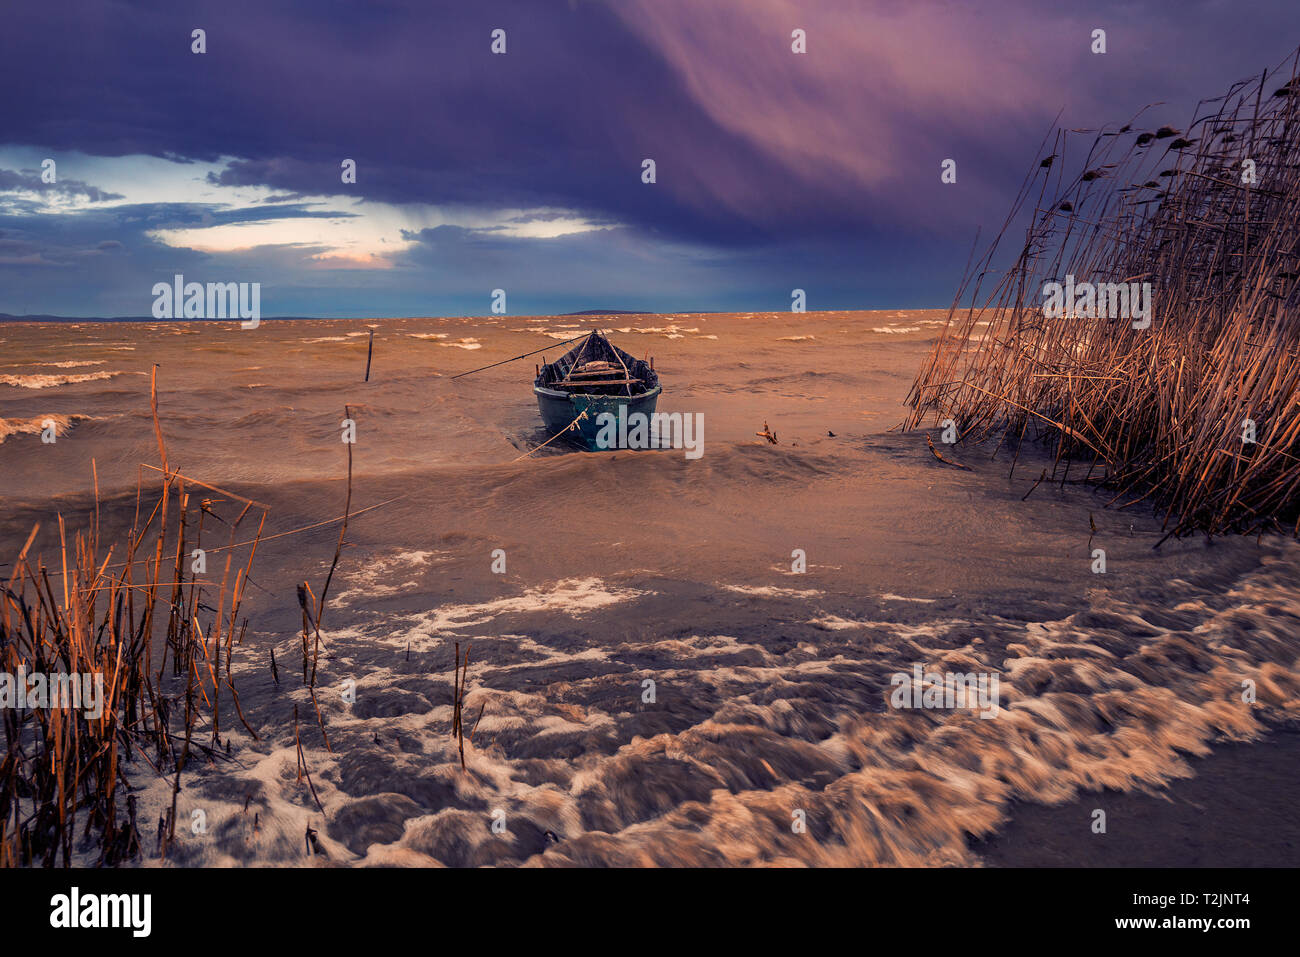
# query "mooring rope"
(553, 345)
(581, 415)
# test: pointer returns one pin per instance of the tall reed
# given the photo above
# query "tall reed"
(120, 613)
(1164, 413)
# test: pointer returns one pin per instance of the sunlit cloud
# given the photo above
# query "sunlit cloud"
(350, 232)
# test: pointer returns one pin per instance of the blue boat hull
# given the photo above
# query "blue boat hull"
(559, 409)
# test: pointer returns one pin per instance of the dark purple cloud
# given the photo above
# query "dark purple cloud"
(761, 153)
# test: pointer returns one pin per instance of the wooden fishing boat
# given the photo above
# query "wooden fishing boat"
(593, 377)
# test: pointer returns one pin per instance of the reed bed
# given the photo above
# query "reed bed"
(160, 635)
(1163, 413)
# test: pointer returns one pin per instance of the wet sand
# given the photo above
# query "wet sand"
(1215, 819)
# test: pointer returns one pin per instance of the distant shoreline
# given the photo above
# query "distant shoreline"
(587, 314)
(6, 317)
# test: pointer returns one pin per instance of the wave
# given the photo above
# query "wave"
(36, 425)
(575, 596)
(69, 363)
(773, 591)
(705, 748)
(670, 331)
(383, 577)
(39, 381)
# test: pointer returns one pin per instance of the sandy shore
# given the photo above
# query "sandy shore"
(1240, 793)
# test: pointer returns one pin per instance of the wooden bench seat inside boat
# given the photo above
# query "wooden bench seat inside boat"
(588, 383)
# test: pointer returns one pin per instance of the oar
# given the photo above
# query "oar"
(553, 345)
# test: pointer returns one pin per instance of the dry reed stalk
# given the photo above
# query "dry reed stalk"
(1162, 410)
(313, 611)
(63, 767)
(303, 772)
(459, 673)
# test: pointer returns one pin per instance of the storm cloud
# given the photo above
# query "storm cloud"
(773, 169)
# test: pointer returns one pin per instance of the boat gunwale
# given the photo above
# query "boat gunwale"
(564, 394)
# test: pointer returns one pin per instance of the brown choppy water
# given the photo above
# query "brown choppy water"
(771, 687)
